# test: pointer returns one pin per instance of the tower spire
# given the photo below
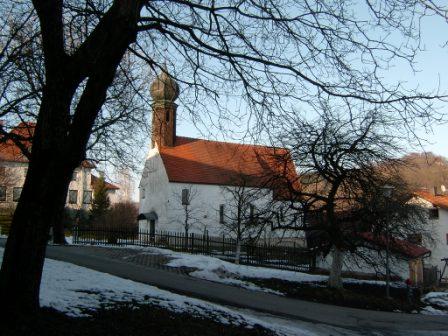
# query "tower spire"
(164, 91)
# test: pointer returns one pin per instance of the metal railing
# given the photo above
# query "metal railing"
(259, 254)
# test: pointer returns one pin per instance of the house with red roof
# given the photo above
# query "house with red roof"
(436, 204)
(14, 167)
(177, 167)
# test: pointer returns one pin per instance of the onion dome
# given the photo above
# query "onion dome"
(164, 88)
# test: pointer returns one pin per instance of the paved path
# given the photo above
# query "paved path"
(351, 318)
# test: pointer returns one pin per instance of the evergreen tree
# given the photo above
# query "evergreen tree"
(101, 202)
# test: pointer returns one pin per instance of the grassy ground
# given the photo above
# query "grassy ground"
(124, 320)
(356, 295)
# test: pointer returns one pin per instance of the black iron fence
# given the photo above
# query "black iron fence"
(260, 254)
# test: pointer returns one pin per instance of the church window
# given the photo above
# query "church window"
(221, 213)
(251, 211)
(185, 197)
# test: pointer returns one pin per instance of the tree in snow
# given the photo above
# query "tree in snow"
(78, 69)
(245, 213)
(344, 162)
(187, 201)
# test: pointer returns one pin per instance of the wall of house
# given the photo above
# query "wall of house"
(353, 263)
(439, 247)
(14, 177)
(164, 198)
(81, 182)
(439, 231)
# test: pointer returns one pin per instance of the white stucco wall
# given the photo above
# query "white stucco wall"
(440, 249)
(163, 197)
(353, 263)
(439, 229)
(15, 173)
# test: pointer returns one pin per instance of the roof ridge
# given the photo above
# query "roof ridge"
(233, 143)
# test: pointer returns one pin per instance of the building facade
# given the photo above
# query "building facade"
(436, 205)
(14, 167)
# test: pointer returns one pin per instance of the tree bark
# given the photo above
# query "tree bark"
(238, 251)
(60, 141)
(40, 207)
(335, 278)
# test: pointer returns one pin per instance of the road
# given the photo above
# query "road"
(351, 318)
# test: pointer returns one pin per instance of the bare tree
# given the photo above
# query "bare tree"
(68, 65)
(246, 212)
(343, 163)
(187, 199)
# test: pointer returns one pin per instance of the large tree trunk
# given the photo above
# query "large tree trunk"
(60, 140)
(40, 207)
(335, 278)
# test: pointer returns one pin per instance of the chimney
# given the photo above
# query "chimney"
(164, 91)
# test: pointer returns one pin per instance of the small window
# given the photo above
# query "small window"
(433, 213)
(75, 176)
(221, 214)
(185, 197)
(167, 116)
(2, 194)
(143, 193)
(87, 197)
(73, 196)
(16, 191)
(251, 211)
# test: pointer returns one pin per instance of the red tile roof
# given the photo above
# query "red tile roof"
(440, 201)
(223, 163)
(10, 152)
(401, 246)
(109, 186)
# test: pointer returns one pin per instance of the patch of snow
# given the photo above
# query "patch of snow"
(215, 269)
(437, 303)
(428, 310)
(69, 240)
(78, 291)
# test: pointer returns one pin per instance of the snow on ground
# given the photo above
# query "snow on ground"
(215, 269)
(78, 291)
(437, 303)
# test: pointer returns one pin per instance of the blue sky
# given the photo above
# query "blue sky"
(432, 66)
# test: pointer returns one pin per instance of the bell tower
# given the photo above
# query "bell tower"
(164, 91)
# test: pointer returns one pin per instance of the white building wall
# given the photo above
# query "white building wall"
(439, 249)
(15, 173)
(438, 227)
(353, 263)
